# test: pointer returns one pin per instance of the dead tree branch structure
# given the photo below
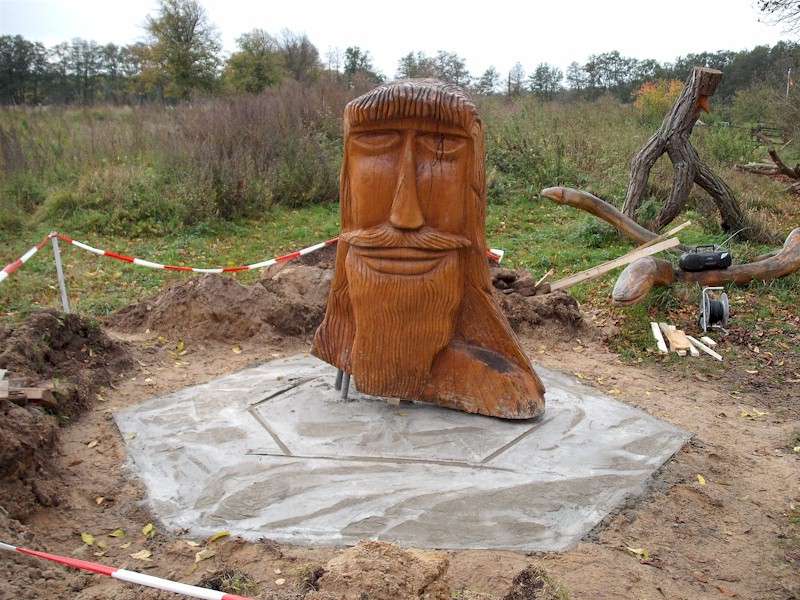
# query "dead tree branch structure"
(672, 138)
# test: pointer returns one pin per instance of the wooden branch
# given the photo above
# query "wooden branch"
(607, 212)
(636, 281)
(605, 267)
(673, 138)
(676, 126)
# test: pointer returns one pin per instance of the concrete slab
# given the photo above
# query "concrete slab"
(272, 451)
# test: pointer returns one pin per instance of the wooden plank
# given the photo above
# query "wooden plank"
(602, 269)
(677, 339)
(665, 235)
(692, 350)
(701, 346)
(708, 341)
(662, 345)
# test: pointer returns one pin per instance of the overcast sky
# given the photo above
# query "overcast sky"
(493, 32)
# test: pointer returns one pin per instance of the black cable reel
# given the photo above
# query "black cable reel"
(714, 312)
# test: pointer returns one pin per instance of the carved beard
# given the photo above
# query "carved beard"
(401, 323)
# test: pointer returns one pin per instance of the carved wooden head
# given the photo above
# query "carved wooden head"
(410, 313)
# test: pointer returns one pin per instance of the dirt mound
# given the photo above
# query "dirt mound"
(533, 583)
(382, 571)
(73, 356)
(292, 303)
(218, 307)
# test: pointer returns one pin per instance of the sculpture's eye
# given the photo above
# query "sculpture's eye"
(376, 140)
(442, 144)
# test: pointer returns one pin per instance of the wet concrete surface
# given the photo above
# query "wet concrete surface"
(273, 451)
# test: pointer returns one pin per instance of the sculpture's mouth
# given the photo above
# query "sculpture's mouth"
(400, 261)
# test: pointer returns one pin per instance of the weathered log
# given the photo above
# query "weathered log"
(672, 138)
(602, 210)
(758, 168)
(638, 278)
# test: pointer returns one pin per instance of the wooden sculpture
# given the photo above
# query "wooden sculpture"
(672, 138)
(410, 313)
(640, 276)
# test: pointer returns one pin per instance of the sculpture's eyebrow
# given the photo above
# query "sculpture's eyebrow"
(423, 125)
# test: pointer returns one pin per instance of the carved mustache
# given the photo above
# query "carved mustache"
(386, 236)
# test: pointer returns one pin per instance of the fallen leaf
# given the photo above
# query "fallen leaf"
(204, 554)
(796, 449)
(117, 533)
(277, 571)
(99, 500)
(92, 444)
(87, 538)
(191, 543)
(700, 479)
(126, 545)
(180, 346)
(148, 530)
(753, 372)
(640, 553)
(219, 535)
(723, 590)
(101, 544)
(142, 555)
(280, 581)
(102, 553)
(237, 349)
(132, 435)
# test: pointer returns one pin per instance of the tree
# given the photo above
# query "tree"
(447, 66)
(300, 56)
(516, 76)
(545, 80)
(576, 77)
(22, 69)
(488, 82)
(358, 66)
(183, 48)
(785, 12)
(257, 65)
(450, 67)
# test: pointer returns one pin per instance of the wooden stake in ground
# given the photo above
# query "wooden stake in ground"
(672, 138)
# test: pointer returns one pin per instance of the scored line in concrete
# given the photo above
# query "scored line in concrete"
(381, 459)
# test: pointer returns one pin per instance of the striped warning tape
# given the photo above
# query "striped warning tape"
(154, 265)
(13, 266)
(493, 254)
(128, 576)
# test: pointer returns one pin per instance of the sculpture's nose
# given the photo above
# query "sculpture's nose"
(406, 213)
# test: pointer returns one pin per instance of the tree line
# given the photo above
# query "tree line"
(182, 58)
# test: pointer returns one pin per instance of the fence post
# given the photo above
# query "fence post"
(62, 284)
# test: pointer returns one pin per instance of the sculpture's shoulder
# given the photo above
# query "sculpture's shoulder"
(475, 379)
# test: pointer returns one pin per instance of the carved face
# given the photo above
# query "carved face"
(411, 173)
(410, 313)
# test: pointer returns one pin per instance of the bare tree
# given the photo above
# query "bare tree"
(783, 12)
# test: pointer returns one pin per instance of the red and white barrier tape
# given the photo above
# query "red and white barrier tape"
(494, 254)
(154, 265)
(128, 576)
(13, 266)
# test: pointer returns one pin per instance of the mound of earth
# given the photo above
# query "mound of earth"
(533, 583)
(218, 307)
(515, 292)
(69, 354)
(292, 303)
(383, 571)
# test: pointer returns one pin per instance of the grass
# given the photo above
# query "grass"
(141, 182)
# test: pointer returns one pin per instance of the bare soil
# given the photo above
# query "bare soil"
(732, 532)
